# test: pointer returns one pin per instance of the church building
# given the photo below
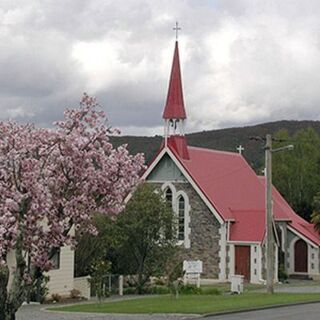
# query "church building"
(220, 204)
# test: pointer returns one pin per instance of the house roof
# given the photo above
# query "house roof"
(238, 194)
(174, 108)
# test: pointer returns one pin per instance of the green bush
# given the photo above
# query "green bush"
(190, 289)
(130, 290)
(282, 274)
(159, 290)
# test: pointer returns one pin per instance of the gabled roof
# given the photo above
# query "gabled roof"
(302, 226)
(238, 194)
(226, 179)
(174, 108)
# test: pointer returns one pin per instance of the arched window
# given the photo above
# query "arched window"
(181, 218)
(168, 196)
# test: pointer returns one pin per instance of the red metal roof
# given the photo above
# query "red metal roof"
(237, 193)
(174, 108)
(248, 226)
(179, 144)
(295, 221)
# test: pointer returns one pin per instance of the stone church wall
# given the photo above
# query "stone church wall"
(204, 232)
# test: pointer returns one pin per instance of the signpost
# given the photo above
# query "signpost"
(193, 270)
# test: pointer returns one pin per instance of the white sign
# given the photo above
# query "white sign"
(194, 266)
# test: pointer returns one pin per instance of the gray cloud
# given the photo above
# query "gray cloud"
(243, 61)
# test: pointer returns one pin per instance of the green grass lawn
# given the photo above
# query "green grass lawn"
(193, 304)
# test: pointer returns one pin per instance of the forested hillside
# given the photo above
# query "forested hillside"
(296, 174)
(223, 139)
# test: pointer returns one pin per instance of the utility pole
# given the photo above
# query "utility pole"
(269, 212)
(270, 243)
(269, 216)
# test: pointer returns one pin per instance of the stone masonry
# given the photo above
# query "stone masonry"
(204, 234)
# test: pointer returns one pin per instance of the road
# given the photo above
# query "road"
(306, 311)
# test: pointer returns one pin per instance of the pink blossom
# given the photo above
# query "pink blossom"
(52, 179)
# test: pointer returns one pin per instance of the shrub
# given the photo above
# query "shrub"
(159, 290)
(282, 274)
(56, 297)
(40, 290)
(129, 290)
(75, 294)
(99, 271)
(190, 289)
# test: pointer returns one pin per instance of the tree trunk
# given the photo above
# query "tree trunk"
(4, 278)
(16, 295)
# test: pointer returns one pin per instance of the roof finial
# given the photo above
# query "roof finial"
(177, 28)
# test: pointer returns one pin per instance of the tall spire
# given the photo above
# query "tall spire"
(174, 108)
(174, 114)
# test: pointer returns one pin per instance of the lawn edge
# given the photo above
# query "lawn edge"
(191, 315)
(276, 306)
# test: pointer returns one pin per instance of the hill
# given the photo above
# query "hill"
(223, 139)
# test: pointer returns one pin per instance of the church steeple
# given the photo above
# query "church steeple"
(174, 113)
(174, 108)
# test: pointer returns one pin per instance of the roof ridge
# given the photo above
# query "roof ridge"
(216, 151)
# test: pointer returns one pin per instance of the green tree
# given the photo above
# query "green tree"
(139, 241)
(315, 218)
(296, 173)
(92, 248)
(147, 235)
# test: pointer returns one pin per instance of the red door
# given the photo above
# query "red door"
(242, 261)
(300, 256)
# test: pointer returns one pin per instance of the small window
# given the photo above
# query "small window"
(168, 196)
(181, 211)
(255, 248)
(312, 256)
(55, 260)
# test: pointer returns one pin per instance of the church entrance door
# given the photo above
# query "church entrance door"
(242, 261)
(300, 256)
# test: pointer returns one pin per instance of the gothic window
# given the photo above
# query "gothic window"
(168, 196)
(181, 218)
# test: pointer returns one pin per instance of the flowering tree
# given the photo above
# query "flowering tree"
(50, 181)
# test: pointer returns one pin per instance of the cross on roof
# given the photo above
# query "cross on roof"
(177, 28)
(240, 149)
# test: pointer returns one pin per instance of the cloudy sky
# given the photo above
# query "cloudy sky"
(243, 61)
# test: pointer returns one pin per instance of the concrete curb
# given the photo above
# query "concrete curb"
(277, 306)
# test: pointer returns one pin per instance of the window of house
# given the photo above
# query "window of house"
(181, 217)
(55, 260)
